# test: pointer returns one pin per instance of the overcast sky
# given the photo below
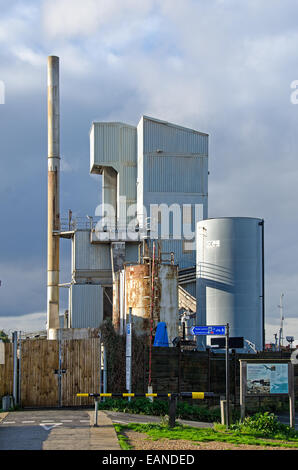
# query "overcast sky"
(224, 67)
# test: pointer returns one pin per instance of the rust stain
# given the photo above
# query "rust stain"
(139, 296)
(138, 288)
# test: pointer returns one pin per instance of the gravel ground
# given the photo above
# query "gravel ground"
(140, 441)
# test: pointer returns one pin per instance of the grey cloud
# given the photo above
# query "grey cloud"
(223, 67)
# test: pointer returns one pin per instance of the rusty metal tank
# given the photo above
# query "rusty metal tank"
(140, 293)
(138, 296)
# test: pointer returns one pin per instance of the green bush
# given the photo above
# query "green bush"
(197, 413)
(266, 424)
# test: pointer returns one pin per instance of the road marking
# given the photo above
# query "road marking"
(84, 420)
(26, 422)
(8, 422)
(50, 423)
(48, 426)
(66, 420)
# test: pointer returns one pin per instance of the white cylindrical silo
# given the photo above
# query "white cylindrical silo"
(230, 276)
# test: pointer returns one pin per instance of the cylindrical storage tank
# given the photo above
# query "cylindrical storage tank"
(139, 295)
(167, 310)
(230, 277)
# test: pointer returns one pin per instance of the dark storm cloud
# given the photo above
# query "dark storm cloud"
(224, 67)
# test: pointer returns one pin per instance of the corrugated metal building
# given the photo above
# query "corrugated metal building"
(113, 154)
(90, 262)
(145, 169)
(86, 306)
(173, 171)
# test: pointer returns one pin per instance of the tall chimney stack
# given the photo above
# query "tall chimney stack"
(53, 196)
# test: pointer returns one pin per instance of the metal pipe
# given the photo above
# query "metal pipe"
(263, 286)
(53, 196)
(129, 353)
(96, 413)
(151, 314)
(227, 377)
(60, 369)
(15, 367)
(105, 371)
(20, 369)
(281, 322)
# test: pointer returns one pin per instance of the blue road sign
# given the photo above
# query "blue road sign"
(208, 330)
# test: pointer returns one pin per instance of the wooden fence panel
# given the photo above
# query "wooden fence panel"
(39, 383)
(81, 360)
(6, 372)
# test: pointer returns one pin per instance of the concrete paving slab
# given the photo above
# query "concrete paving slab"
(104, 436)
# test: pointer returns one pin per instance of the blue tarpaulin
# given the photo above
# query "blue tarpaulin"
(161, 336)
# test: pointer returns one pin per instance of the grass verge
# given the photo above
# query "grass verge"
(218, 433)
(123, 441)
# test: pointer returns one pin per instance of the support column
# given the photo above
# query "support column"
(117, 260)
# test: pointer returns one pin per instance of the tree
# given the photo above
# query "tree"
(4, 337)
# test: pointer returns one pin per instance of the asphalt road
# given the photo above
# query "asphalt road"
(46, 430)
(72, 429)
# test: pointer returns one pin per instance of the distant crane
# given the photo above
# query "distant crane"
(275, 341)
(281, 321)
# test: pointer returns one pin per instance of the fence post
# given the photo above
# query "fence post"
(291, 394)
(100, 365)
(172, 410)
(209, 371)
(15, 367)
(59, 368)
(223, 403)
(96, 412)
(227, 377)
(20, 370)
(105, 366)
(129, 353)
(243, 373)
(179, 369)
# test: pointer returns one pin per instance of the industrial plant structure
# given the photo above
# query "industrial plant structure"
(154, 179)
(139, 250)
